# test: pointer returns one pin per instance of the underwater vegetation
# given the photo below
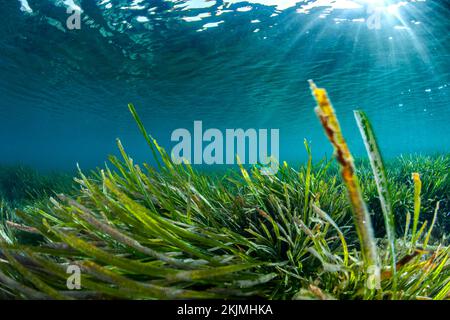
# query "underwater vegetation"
(324, 231)
(20, 185)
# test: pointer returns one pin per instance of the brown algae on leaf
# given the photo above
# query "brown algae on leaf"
(330, 123)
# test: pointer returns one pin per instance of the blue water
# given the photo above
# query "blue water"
(230, 64)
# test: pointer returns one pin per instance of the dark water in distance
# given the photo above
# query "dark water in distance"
(230, 64)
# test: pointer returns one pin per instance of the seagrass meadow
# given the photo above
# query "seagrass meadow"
(330, 229)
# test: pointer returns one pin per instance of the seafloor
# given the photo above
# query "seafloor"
(171, 232)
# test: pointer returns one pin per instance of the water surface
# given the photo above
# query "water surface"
(230, 64)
